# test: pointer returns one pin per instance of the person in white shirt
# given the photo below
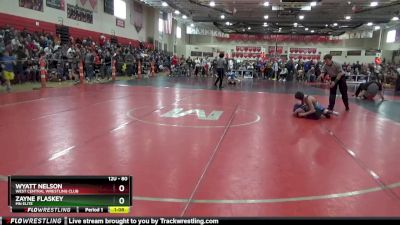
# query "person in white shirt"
(275, 68)
(283, 74)
(197, 66)
(230, 65)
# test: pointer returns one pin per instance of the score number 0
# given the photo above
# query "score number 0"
(121, 187)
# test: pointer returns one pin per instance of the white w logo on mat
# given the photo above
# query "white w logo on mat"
(201, 114)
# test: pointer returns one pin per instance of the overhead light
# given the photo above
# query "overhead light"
(212, 3)
(164, 4)
(326, 25)
(306, 8)
(184, 17)
(373, 4)
(177, 12)
(306, 28)
(348, 17)
(370, 24)
(192, 25)
(276, 8)
(349, 2)
(266, 17)
(313, 4)
(312, 31)
(249, 28)
(301, 17)
(335, 24)
(228, 23)
(222, 16)
(265, 25)
(377, 27)
(295, 24)
(266, 4)
(396, 18)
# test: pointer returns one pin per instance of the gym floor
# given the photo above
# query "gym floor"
(194, 150)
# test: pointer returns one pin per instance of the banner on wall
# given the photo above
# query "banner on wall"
(32, 4)
(137, 16)
(109, 6)
(120, 23)
(354, 53)
(303, 50)
(90, 5)
(279, 38)
(335, 53)
(196, 54)
(305, 57)
(279, 50)
(205, 31)
(79, 14)
(208, 54)
(248, 49)
(167, 18)
(356, 35)
(57, 4)
(372, 52)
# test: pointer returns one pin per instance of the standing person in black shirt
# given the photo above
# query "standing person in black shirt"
(108, 64)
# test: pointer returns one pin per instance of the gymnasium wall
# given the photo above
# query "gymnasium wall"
(204, 43)
(173, 44)
(102, 22)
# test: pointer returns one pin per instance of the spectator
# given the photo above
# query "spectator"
(8, 70)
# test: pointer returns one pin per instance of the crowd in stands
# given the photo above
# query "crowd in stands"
(310, 70)
(63, 60)
(280, 70)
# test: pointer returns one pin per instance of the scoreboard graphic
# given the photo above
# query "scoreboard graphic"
(70, 194)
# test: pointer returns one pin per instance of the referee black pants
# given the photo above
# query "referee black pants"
(220, 72)
(343, 90)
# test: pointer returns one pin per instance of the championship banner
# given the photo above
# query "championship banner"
(120, 23)
(335, 53)
(57, 4)
(32, 4)
(109, 7)
(90, 5)
(79, 14)
(372, 52)
(279, 38)
(205, 31)
(279, 49)
(354, 53)
(303, 50)
(137, 16)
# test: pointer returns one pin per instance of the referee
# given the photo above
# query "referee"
(335, 71)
